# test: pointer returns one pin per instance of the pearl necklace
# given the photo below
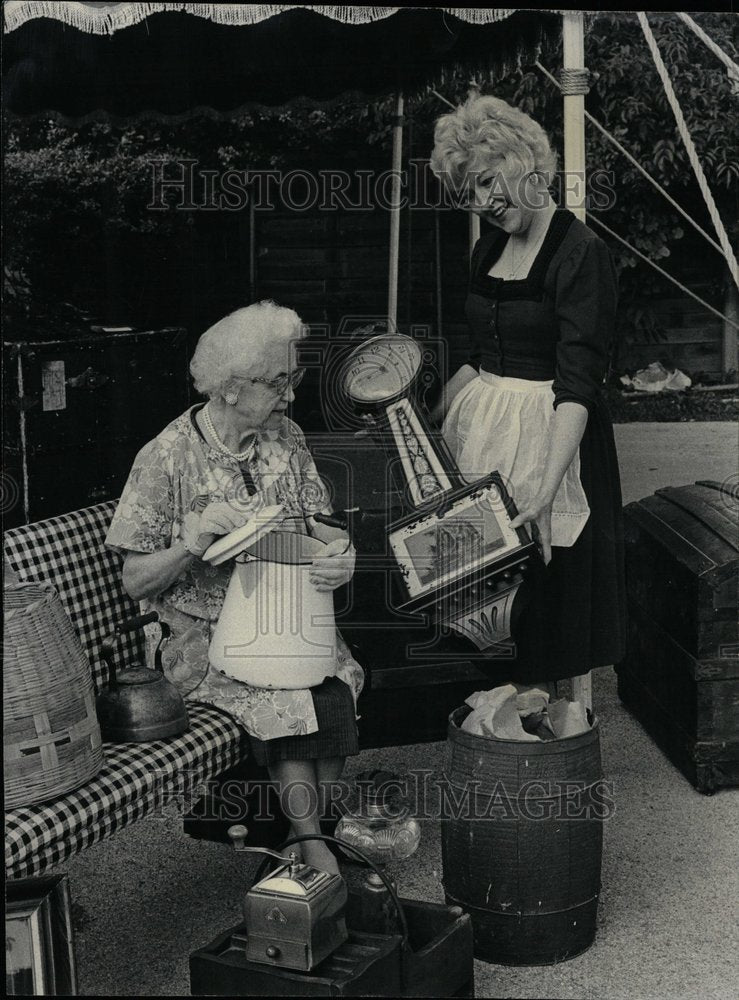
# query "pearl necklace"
(240, 456)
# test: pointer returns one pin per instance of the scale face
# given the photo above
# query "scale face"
(382, 369)
(458, 556)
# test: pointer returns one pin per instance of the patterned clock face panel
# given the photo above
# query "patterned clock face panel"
(381, 369)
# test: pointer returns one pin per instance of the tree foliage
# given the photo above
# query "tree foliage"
(628, 99)
(69, 190)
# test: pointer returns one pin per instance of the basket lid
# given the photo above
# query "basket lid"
(22, 595)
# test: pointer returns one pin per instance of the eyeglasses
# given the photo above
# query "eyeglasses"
(282, 382)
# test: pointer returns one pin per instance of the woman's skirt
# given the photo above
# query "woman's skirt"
(336, 735)
(571, 617)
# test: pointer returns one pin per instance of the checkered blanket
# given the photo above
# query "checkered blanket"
(70, 553)
(138, 778)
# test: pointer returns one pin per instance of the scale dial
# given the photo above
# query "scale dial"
(382, 369)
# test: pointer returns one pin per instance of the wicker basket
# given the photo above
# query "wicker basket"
(52, 737)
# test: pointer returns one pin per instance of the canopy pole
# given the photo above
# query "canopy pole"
(729, 347)
(474, 230)
(574, 88)
(574, 83)
(392, 294)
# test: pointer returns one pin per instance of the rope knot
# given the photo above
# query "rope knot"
(574, 81)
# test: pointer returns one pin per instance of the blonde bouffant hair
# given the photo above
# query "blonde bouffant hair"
(485, 130)
(235, 348)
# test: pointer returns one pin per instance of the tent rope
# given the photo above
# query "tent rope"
(690, 148)
(442, 98)
(664, 273)
(642, 170)
(732, 67)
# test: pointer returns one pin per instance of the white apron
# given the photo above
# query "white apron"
(504, 425)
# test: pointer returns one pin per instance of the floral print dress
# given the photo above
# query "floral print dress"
(179, 472)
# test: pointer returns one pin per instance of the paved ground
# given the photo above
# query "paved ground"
(654, 455)
(667, 920)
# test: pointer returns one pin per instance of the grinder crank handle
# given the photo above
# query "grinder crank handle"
(238, 833)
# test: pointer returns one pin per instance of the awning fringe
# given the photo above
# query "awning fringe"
(105, 19)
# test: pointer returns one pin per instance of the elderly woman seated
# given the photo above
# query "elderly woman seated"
(206, 474)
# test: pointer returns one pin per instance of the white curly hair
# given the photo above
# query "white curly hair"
(236, 347)
(484, 131)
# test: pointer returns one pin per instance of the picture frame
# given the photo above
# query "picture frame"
(483, 514)
(39, 940)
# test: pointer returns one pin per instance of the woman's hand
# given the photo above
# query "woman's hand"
(146, 574)
(570, 420)
(335, 567)
(200, 529)
(538, 515)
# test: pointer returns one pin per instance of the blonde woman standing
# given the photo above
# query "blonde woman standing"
(528, 401)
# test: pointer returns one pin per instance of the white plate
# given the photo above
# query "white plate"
(236, 541)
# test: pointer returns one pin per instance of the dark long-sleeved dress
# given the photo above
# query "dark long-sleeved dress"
(538, 342)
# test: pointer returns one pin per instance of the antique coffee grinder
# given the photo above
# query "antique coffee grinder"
(296, 916)
(304, 935)
(458, 557)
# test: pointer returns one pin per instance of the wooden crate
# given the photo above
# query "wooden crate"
(438, 962)
(680, 676)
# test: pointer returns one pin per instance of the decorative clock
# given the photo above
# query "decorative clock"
(457, 554)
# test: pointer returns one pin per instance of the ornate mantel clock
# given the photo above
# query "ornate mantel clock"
(458, 556)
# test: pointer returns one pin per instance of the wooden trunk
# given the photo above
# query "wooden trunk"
(680, 676)
(78, 412)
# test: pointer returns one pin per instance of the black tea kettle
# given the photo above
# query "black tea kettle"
(139, 704)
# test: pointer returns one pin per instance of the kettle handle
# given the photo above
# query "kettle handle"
(138, 621)
(131, 625)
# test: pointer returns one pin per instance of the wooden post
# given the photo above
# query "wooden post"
(729, 362)
(573, 52)
(472, 93)
(392, 294)
(474, 230)
(582, 690)
(252, 253)
(573, 58)
(437, 273)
